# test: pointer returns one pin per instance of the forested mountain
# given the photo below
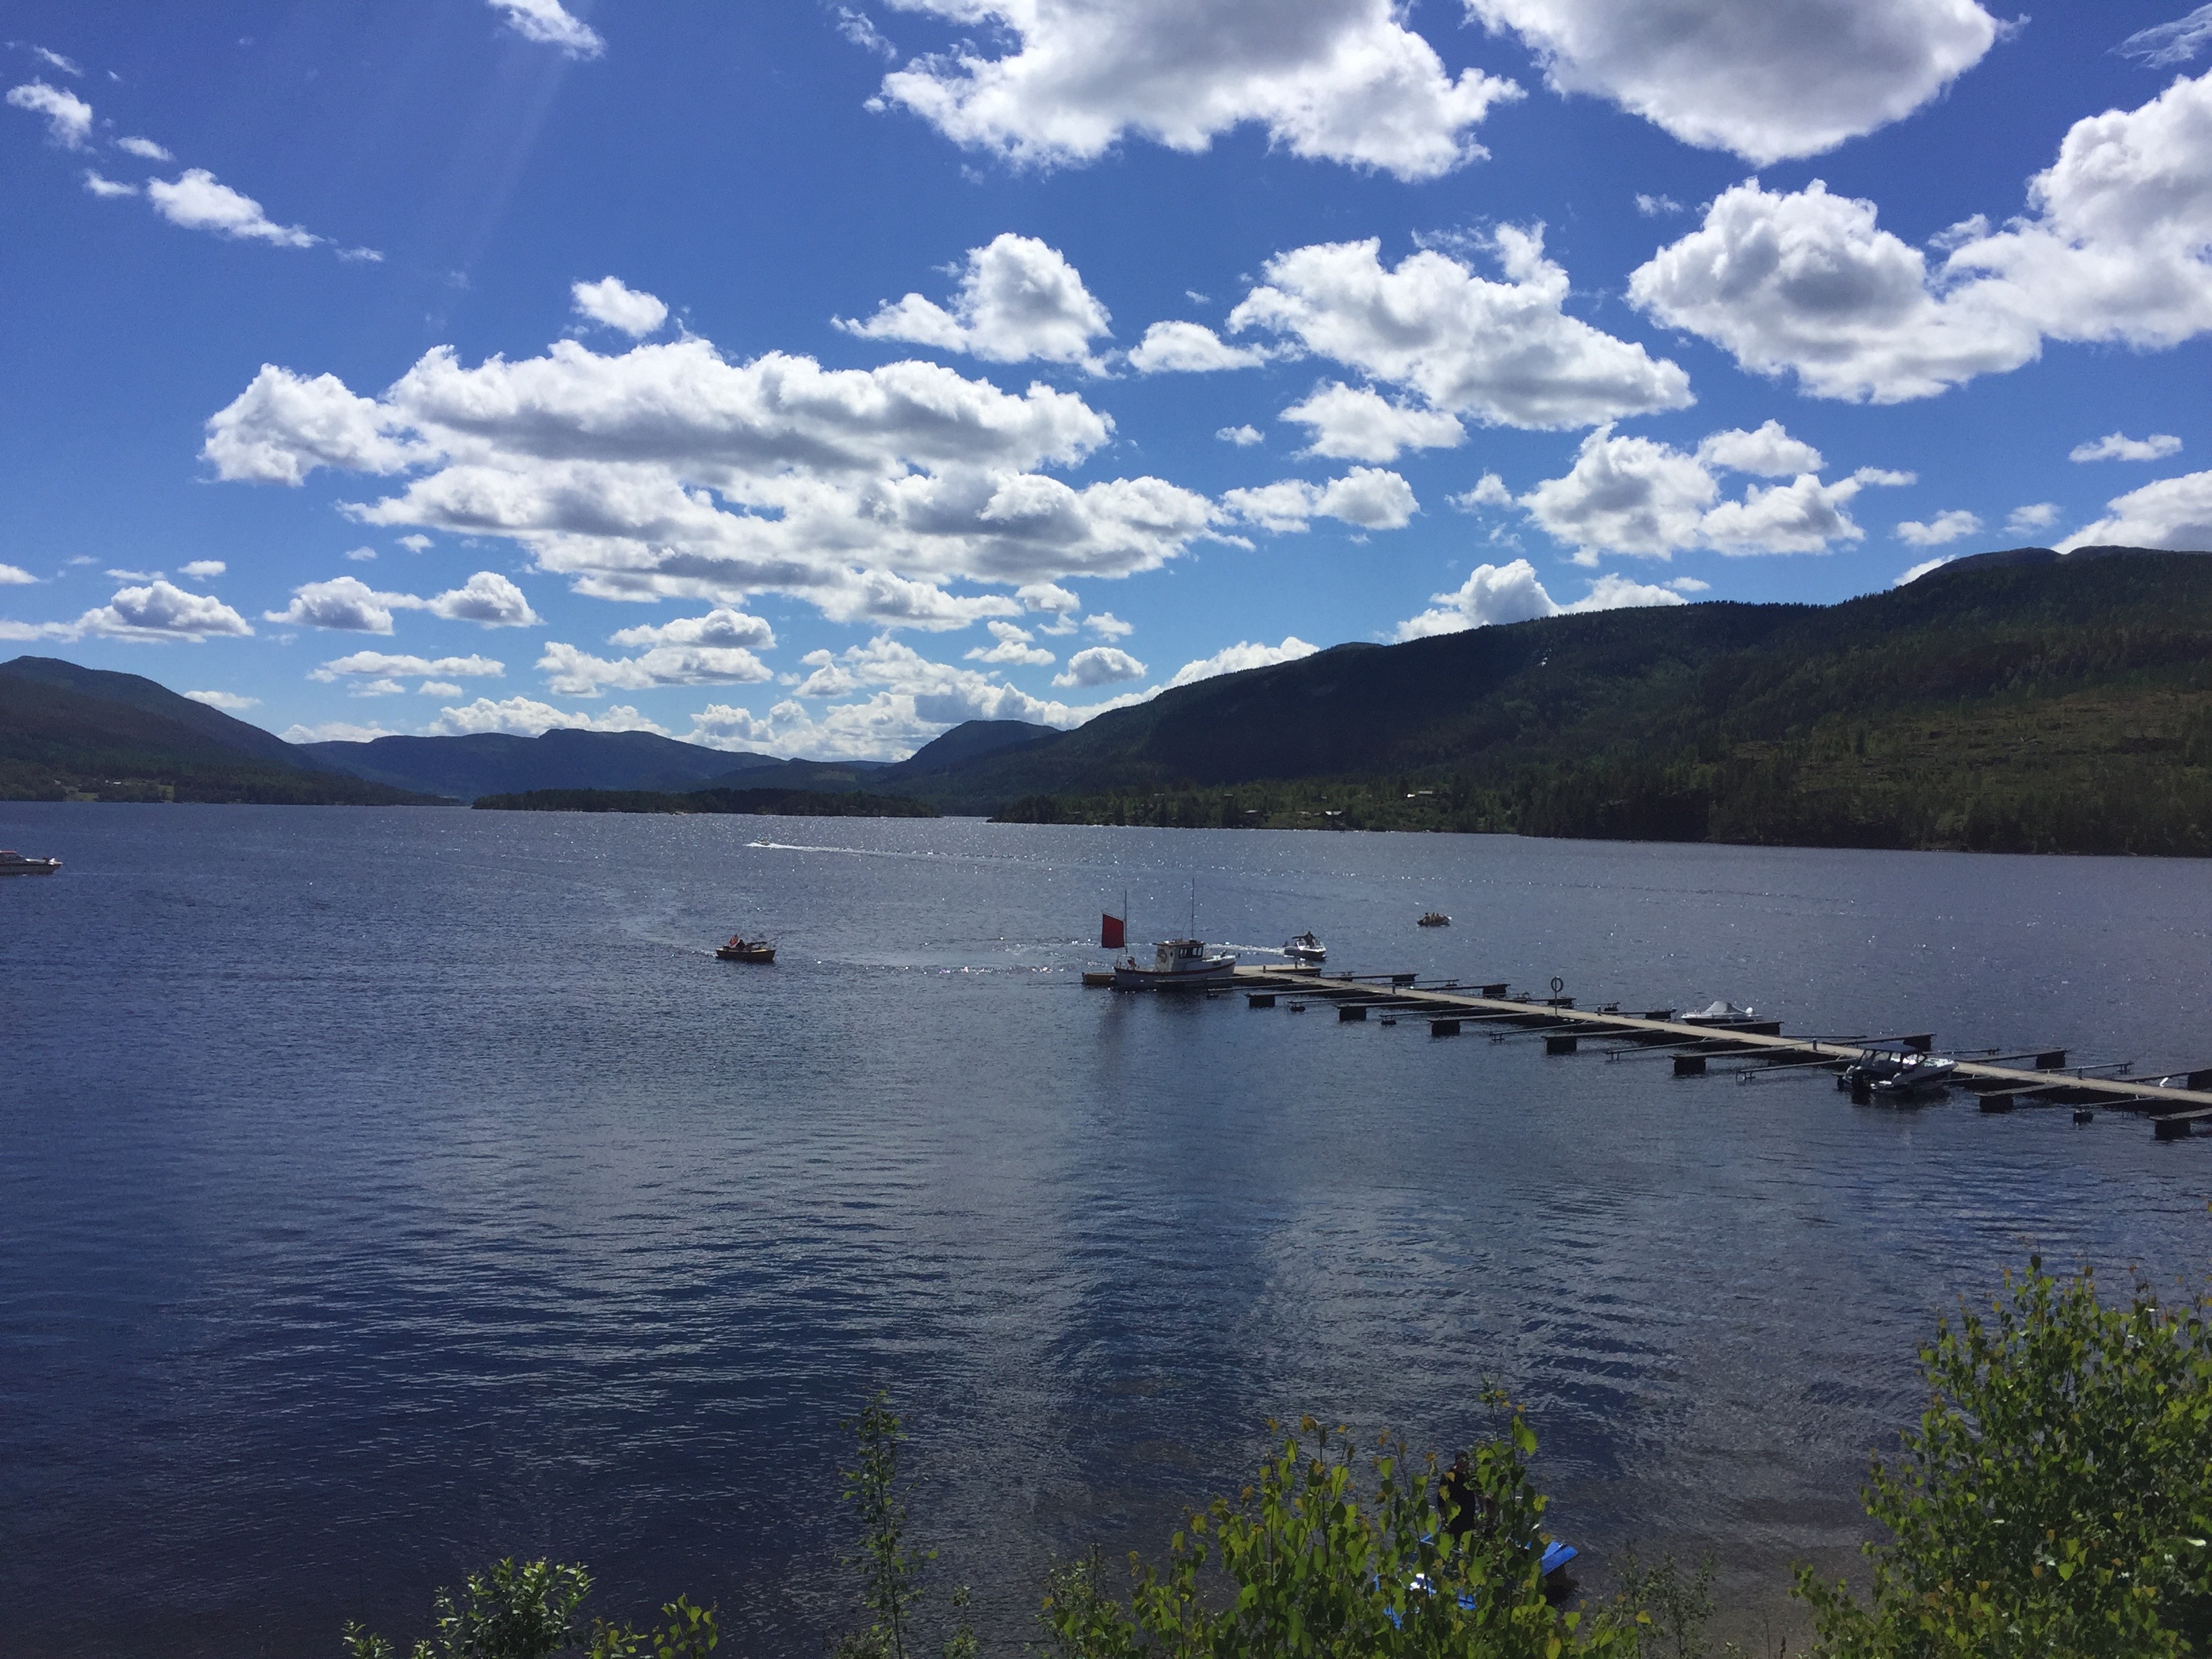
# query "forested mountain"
(68, 731)
(2017, 701)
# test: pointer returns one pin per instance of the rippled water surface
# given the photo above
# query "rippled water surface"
(387, 1191)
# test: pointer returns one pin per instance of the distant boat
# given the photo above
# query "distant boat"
(740, 949)
(1178, 964)
(1434, 918)
(19, 864)
(1306, 948)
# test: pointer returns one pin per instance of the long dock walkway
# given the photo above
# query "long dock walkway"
(1449, 1008)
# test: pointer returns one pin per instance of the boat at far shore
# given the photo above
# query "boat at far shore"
(1433, 919)
(20, 863)
(740, 949)
(1178, 964)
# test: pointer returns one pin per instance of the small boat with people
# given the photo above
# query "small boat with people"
(741, 949)
(21, 864)
(1433, 919)
(1305, 947)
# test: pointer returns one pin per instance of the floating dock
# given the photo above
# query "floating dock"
(1758, 1046)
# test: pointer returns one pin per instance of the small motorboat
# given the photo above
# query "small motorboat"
(21, 864)
(1722, 1012)
(1305, 948)
(1433, 919)
(1915, 1074)
(741, 949)
(1861, 1075)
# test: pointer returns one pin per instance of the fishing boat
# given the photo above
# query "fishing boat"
(20, 863)
(741, 949)
(1433, 919)
(1178, 964)
(1305, 948)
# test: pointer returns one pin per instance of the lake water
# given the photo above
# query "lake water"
(386, 1191)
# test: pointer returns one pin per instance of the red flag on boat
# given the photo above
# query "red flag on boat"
(1109, 932)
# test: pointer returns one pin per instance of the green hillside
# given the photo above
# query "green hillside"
(2040, 705)
(68, 732)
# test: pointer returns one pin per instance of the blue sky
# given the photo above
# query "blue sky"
(809, 378)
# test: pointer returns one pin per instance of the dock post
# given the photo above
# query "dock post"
(1443, 1028)
(2052, 1060)
(1351, 1011)
(2164, 1128)
(1999, 1103)
(1689, 1066)
(1559, 1045)
(1259, 998)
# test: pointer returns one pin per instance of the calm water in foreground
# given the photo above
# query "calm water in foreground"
(384, 1192)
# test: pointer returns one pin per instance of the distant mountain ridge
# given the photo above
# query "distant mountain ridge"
(67, 730)
(499, 762)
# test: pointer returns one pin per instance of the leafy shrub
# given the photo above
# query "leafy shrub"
(2056, 1497)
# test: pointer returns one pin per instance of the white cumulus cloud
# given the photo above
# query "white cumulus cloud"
(611, 302)
(1330, 80)
(1504, 352)
(1190, 348)
(204, 569)
(1235, 658)
(669, 471)
(2114, 249)
(2175, 513)
(1013, 645)
(1765, 79)
(1495, 594)
(144, 149)
(1367, 497)
(68, 118)
(1100, 665)
(526, 717)
(719, 627)
(1768, 453)
(161, 610)
(98, 184)
(1923, 568)
(2118, 446)
(347, 604)
(1639, 495)
(1243, 436)
(15, 575)
(1019, 300)
(549, 23)
(1356, 423)
(229, 701)
(384, 664)
(577, 673)
(197, 200)
(2036, 515)
(1944, 527)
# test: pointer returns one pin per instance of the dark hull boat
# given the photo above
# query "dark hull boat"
(746, 949)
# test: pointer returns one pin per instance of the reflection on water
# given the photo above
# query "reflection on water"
(387, 1191)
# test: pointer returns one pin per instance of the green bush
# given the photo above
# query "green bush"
(2056, 1497)
(528, 1611)
(1331, 1556)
